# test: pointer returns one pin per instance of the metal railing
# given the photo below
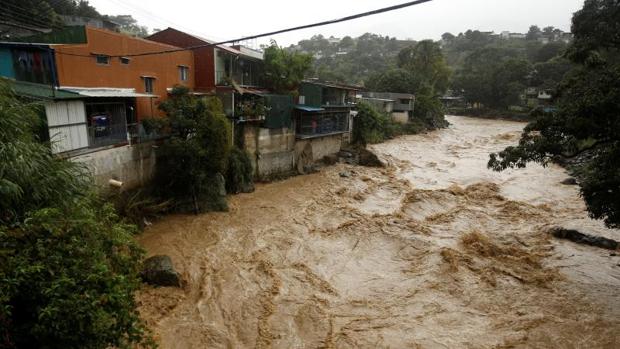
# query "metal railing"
(100, 136)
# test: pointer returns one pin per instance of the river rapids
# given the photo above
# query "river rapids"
(433, 251)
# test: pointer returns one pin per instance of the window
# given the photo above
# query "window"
(125, 60)
(103, 59)
(405, 101)
(183, 72)
(148, 84)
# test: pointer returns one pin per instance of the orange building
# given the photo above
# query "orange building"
(106, 61)
(97, 84)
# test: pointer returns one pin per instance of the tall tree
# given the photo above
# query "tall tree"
(534, 33)
(588, 116)
(284, 70)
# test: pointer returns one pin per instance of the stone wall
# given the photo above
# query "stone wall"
(134, 165)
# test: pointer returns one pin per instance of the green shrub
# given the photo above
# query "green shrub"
(371, 126)
(191, 163)
(138, 206)
(240, 173)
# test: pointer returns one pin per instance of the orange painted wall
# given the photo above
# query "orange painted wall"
(75, 71)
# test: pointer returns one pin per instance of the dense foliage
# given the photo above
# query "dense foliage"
(588, 116)
(239, 174)
(284, 70)
(68, 267)
(46, 14)
(193, 160)
(373, 126)
(494, 72)
(351, 60)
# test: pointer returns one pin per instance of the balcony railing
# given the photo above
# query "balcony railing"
(101, 136)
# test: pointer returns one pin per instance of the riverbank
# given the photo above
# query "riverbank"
(432, 251)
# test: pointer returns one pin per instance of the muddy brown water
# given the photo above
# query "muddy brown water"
(434, 251)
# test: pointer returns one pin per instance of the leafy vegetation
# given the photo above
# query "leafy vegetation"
(284, 70)
(586, 124)
(68, 266)
(239, 174)
(193, 160)
(351, 60)
(46, 13)
(373, 126)
(493, 72)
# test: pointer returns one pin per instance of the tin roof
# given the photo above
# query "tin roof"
(106, 92)
(308, 109)
(333, 85)
(40, 91)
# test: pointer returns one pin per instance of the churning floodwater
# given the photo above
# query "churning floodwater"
(433, 251)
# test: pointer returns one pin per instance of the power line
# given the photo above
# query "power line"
(23, 14)
(146, 13)
(319, 24)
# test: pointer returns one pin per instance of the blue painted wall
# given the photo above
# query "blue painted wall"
(6, 63)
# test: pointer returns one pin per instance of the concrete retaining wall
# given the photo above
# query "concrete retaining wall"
(134, 165)
(271, 150)
(321, 146)
(400, 117)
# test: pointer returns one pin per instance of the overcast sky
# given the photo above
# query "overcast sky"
(224, 20)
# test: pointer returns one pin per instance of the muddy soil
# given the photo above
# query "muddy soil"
(434, 251)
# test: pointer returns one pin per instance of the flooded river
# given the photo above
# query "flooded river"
(433, 251)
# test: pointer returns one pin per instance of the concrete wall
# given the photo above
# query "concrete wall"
(134, 165)
(400, 117)
(321, 146)
(271, 150)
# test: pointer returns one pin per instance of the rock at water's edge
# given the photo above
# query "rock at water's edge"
(369, 159)
(158, 271)
(569, 181)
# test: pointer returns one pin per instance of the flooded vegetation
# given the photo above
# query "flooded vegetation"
(432, 251)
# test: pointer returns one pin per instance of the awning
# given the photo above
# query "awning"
(106, 92)
(40, 91)
(308, 109)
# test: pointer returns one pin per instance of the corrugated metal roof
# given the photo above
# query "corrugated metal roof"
(333, 85)
(40, 91)
(106, 92)
(307, 108)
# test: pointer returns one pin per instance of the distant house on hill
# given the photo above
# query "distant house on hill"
(399, 106)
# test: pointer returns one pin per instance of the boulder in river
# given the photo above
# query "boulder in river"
(158, 271)
(569, 181)
(368, 158)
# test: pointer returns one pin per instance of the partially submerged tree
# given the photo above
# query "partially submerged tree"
(193, 161)
(588, 116)
(68, 266)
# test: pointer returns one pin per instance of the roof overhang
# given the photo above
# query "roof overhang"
(308, 109)
(107, 92)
